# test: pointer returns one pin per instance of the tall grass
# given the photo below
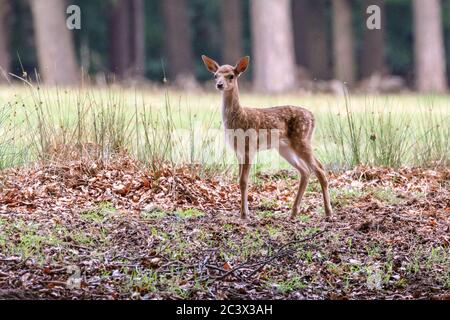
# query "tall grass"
(102, 123)
(46, 124)
(381, 137)
(4, 116)
(9, 134)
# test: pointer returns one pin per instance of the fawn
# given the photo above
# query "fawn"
(294, 127)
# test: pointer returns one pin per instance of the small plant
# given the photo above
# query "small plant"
(251, 245)
(99, 213)
(415, 257)
(268, 204)
(304, 218)
(386, 195)
(82, 238)
(344, 196)
(154, 214)
(373, 251)
(447, 281)
(189, 214)
(306, 255)
(274, 233)
(437, 256)
(140, 281)
(228, 227)
(291, 285)
(374, 277)
(266, 214)
(313, 186)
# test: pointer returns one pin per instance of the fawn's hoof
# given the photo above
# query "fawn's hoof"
(244, 213)
(294, 214)
(244, 216)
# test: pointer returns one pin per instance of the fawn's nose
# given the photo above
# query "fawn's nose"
(220, 86)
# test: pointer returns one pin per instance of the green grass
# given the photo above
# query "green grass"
(99, 213)
(268, 204)
(347, 263)
(189, 214)
(154, 214)
(26, 240)
(386, 195)
(266, 214)
(344, 196)
(291, 285)
(185, 127)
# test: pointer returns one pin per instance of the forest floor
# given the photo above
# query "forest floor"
(87, 230)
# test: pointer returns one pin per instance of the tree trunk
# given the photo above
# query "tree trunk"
(55, 47)
(344, 60)
(429, 46)
(138, 38)
(300, 12)
(231, 20)
(178, 42)
(4, 39)
(310, 30)
(372, 58)
(273, 45)
(119, 28)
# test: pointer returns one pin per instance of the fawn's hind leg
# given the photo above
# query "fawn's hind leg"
(292, 157)
(320, 173)
(306, 154)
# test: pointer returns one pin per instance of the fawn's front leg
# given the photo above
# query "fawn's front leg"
(244, 170)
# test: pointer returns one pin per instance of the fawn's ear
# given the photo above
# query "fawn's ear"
(242, 65)
(210, 64)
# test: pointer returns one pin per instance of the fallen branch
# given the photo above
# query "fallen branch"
(280, 253)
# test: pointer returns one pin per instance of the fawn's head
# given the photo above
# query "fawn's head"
(226, 75)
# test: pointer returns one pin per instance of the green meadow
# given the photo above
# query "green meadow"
(157, 125)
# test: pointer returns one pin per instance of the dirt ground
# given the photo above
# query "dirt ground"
(87, 230)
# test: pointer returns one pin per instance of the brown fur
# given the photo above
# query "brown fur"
(295, 125)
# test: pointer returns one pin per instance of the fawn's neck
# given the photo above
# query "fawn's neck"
(231, 107)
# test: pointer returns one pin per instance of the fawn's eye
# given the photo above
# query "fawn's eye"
(215, 76)
(230, 77)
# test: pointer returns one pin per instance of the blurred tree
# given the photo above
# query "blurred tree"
(399, 38)
(372, 56)
(300, 14)
(177, 38)
(273, 45)
(206, 31)
(119, 28)
(154, 40)
(127, 38)
(231, 21)
(344, 57)
(447, 31)
(310, 32)
(138, 38)
(55, 47)
(93, 44)
(429, 46)
(4, 39)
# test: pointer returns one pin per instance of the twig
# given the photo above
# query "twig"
(261, 264)
(394, 216)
